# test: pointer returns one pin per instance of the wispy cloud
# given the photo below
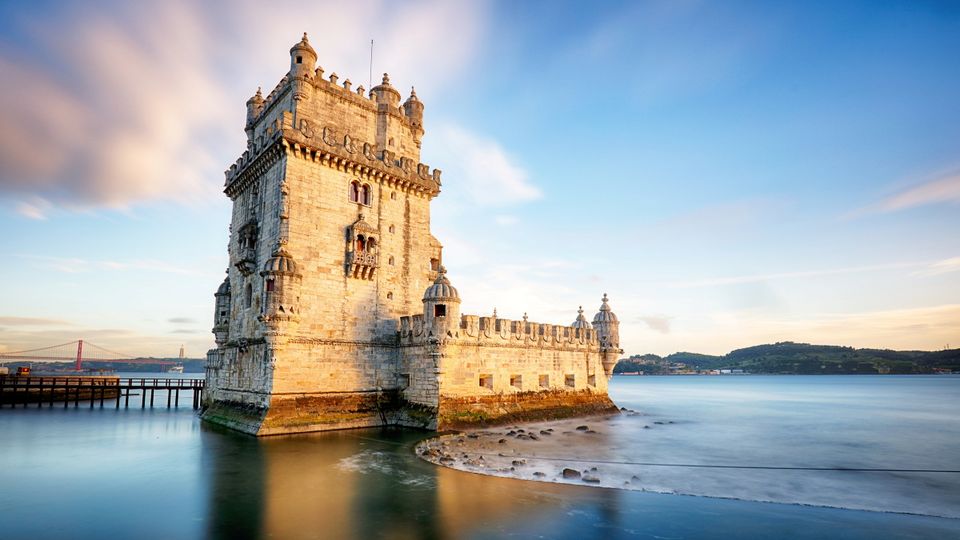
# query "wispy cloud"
(127, 115)
(754, 278)
(943, 189)
(659, 323)
(941, 267)
(72, 265)
(32, 321)
(181, 320)
(483, 168)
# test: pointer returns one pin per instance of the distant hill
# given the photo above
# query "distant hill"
(799, 359)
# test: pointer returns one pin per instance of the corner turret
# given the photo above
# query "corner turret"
(441, 304)
(221, 314)
(581, 321)
(254, 108)
(281, 286)
(608, 332)
(413, 110)
(303, 58)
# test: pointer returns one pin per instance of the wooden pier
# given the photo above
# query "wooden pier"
(51, 390)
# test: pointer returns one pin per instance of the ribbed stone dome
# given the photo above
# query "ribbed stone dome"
(303, 45)
(441, 288)
(224, 288)
(604, 315)
(581, 321)
(280, 263)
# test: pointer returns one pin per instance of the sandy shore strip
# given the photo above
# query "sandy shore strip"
(565, 451)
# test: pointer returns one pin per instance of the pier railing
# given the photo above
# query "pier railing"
(16, 390)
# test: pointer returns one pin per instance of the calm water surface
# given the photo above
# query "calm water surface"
(162, 474)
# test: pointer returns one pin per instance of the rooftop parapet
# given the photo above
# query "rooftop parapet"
(494, 330)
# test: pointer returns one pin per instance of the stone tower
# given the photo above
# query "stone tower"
(330, 245)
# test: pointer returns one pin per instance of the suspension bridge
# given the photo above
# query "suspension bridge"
(78, 351)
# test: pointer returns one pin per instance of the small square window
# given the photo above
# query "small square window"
(544, 381)
(516, 381)
(440, 310)
(592, 380)
(486, 381)
(570, 381)
(404, 381)
(299, 59)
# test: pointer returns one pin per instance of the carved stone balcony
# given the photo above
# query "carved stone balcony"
(246, 260)
(362, 264)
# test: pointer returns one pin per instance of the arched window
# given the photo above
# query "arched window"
(248, 296)
(354, 191)
(371, 244)
(361, 243)
(365, 194)
(390, 261)
(392, 229)
(389, 296)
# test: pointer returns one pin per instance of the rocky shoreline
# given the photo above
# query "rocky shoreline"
(572, 451)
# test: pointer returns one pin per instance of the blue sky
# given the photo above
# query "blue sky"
(730, 173)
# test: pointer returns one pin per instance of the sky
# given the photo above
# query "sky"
(730, 173)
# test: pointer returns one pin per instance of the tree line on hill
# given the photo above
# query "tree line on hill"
(797, 359)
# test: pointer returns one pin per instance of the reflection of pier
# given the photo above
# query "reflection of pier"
(15, 390)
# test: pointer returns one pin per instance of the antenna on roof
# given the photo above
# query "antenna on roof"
(370, 80)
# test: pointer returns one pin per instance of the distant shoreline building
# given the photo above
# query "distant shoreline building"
(337, 312)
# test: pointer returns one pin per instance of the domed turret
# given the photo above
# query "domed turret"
(413, 108)
(281, 289)
(384, 93)
(302, 58)
(441, 303)
(221, 313)
(608, 331)
(581, 321)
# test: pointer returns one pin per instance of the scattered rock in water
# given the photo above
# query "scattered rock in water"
(567, 432)
(670, 422)
(511, 433)
(589, 431)
(659, 423)
(589, 478)
(518, 462)
(550, 429)
(473, 436)
(583, 428)
(634, 478)
(446, 460)
(539, 474)
(571, 473)
(593, 469)
(502, 441)
(533, 437)
(646, 427)
(624, 409)
(545, 432)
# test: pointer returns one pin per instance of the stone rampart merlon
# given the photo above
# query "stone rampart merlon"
(493, 330)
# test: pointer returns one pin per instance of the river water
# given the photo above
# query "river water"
(158, 473)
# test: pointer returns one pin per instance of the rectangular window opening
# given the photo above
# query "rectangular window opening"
(570, 381)
(404, 381)
(516, 381)
(592, 380)
(440, 310)
(544, 381)
(486, 381)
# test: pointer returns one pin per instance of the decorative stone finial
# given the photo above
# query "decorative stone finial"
(386, 79)
(361, 90)
(494, 313)
(347, 84)
(442, 270)
(524, 316)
